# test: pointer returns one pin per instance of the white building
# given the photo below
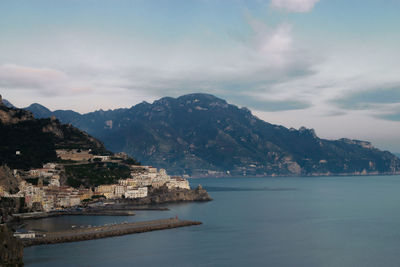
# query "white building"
(178, 183)
(102, 158)
(136, 192)
(119, 191)
(49, 166)
(55, 182)
(28, 234)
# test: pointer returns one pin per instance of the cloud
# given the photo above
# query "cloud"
(394, 116)
(268, 104)
(262, 57)
(45, 81)
(333, 113)
(381, 102)
(255, 64)
(294, 6)
(370, 98)
(273, 45)
(23, 77)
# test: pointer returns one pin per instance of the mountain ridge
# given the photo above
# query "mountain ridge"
(202, 135)
(27, 142)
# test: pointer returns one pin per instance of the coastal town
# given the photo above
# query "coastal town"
(49, 169)
(51, 194)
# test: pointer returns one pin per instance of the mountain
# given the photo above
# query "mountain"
(8, 104)
(39, 111)
(66, 116)
(27, 142)
(200, 135)
(397, 154)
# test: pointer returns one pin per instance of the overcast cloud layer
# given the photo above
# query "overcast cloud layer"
(328, 65)
(296, 6)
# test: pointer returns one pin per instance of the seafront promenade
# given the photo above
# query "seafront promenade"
(106, 231)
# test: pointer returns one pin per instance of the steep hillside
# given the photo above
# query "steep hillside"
(28, 142)
(200, 134)
(8, 181)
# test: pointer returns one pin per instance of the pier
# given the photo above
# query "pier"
(104, 231)
(100, 212)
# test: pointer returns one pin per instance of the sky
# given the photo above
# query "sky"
(330, 65)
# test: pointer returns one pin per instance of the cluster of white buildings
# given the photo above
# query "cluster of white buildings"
(137, 185)
(50, 171)
(53, 196)
(149, 176)
(50, 197)
(115, 191)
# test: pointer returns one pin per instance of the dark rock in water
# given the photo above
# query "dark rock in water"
(202, 135)
(11, 249)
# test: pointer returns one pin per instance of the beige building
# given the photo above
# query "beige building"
(85, 193)
(126, 182)
(74, 154)
(106, 190)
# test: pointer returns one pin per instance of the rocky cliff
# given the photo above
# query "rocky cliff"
(8, 181)
(9, 206)
(11, 249)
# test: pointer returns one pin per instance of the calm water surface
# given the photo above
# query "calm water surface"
(321, 221)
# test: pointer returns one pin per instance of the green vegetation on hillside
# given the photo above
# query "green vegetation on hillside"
(35, 146)
(95, 174)
(26, 142)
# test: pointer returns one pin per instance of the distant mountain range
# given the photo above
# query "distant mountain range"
(202, 135)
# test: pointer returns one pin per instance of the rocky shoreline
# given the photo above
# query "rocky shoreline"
(162, 195)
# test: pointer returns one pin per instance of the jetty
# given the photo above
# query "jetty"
(100, 212)
(104, 231)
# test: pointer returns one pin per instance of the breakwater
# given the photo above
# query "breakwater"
(120, 205)
(102, 212)
(106, 231)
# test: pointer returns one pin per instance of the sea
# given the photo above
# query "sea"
(285, 221)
